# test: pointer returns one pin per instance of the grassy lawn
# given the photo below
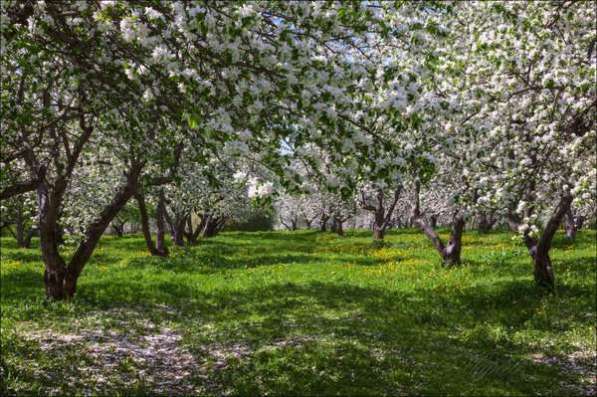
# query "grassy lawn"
(304, 313)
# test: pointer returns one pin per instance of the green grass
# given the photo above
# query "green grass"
(305, 313)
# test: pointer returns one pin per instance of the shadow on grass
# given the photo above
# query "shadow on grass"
(208, 264)
(324, 338)
(306, 338)
(20, 285)
(22, 255)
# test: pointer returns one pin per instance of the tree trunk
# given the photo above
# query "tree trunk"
(193, 235)
(378, 233)
(54, 281)
(178, 234)
(96, 229)
(145, 226)
(539, 248)
(59, 234)
(20, 229)
(177, 227)
(118, 229)
(485, 223)
(542, 267)
(23, 236)
(339, 229)
(433, 221)
(55, 267)
(323, 223)
(417, 206)
(570, 225)
(449, 253)
(213, 225)
(161, 226)
(30, 233)
(378, 225)
(381, 215)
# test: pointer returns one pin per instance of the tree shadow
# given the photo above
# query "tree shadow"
(361, 340)
(17, 285)
(214, 263)
(22, 255)
(317, 337)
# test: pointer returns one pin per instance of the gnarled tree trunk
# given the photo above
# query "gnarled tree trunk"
(542, 266)
(539, 247)
(97, 228)
(381, 215)
(292, 223)
(61, 278)
(450, 253)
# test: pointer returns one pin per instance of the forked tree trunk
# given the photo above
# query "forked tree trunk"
(213, 225)
(450, 253)
(151, 246)
(539, 247)
(544, 274)
(177, 227)
(193, 234)
(381, 215)
(61, 278)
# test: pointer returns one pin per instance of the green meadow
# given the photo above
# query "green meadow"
(303, 313)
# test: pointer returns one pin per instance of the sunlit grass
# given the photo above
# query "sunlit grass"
(313, 313)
